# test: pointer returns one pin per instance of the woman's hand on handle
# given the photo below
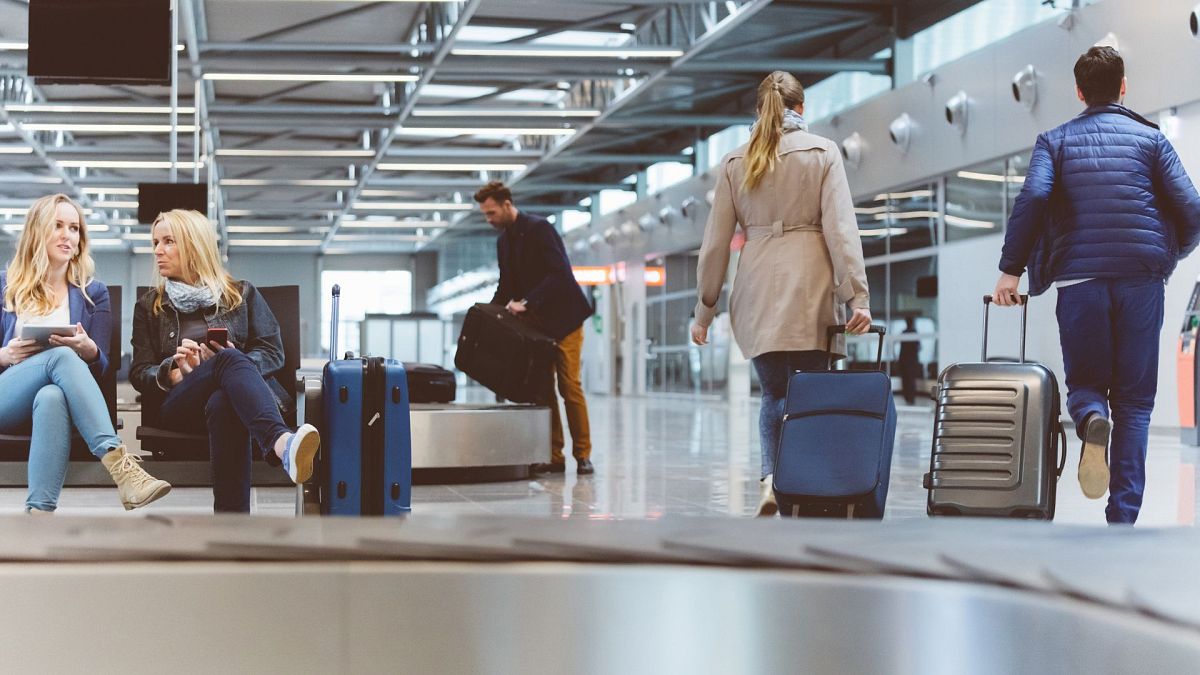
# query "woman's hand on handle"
(860, 322)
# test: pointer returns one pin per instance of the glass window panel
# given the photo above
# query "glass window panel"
(872, 225)
(431, 347)
(1018, 167)
(913, 218)
(404, 341)
(977, 27)
(975, 201)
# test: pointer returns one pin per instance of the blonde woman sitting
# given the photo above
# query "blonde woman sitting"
(53, 385)
(223, 389)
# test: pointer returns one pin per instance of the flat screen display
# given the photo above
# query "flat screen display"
(154, 198)
(100, 41)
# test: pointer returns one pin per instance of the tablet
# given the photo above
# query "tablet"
(41, 334)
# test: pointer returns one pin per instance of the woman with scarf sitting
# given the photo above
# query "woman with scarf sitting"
(801, 268)
(225, 389)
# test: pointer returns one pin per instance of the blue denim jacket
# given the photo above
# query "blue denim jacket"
(95, 316)
(252, 328)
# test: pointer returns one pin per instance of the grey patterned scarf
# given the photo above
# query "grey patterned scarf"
(188, 299)
(792, 121)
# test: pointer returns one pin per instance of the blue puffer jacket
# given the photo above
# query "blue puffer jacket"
(1105, 196)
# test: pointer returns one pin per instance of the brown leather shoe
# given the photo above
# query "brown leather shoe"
(548, 467)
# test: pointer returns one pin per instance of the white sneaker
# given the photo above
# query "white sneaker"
(1093, 459)
(300, 452)
(135, 487)
(767, 507)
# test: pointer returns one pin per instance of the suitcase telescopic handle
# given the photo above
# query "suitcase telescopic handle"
(833, 331)
(1023, 300)
(333, 322)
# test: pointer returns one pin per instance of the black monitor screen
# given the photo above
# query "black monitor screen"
(103, 41)
(154, 198)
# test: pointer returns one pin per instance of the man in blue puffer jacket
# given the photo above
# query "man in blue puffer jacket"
(1106, 212)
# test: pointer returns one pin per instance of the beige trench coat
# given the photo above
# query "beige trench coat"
(802, 263)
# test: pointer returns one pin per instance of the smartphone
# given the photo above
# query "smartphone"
(217, 335)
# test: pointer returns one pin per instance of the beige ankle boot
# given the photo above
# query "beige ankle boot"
(766, 505)
(134, 486)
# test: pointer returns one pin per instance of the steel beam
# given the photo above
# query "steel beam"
(762, 66)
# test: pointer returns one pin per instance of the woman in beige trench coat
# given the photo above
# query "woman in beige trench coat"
(802, 263)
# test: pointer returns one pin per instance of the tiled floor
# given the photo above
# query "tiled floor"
(657, 456)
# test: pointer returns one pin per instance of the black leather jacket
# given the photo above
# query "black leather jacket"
(252, 327)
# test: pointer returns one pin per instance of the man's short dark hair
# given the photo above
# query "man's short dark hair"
(495, 190)
(1098, 74)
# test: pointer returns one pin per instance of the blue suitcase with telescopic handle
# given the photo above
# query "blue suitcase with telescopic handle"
(835, 444)
(365, 462)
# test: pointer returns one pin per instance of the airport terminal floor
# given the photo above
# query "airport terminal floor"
(676, 456)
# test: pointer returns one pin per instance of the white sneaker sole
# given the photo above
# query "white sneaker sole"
(159, 492)
(305, 454)
(1093, 463)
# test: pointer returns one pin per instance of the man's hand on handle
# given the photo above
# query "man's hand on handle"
(1006, 293)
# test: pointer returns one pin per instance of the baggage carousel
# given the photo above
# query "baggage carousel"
(472, 443)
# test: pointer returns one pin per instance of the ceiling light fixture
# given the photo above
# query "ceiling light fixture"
(15, 150)
(114, 205)
(305, 182)
(266, 229)
(411, 166)
(122, 164)
(88, 108)
(394, 224)
(310, 77)
(275, 242)
(482, 131)
(239, 152)
(504, 112)
(570, 52)
(411, 206)
(109, 190)
(111, 128)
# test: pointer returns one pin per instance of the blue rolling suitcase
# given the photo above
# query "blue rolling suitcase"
(366, 459)
(835, 447)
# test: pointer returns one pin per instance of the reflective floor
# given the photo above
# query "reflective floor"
(681, 456)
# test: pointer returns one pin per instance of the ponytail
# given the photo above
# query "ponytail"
(778, 92)
(764, 140)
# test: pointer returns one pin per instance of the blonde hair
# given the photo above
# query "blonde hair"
(196, 241)
(29, 288)
(777, 93)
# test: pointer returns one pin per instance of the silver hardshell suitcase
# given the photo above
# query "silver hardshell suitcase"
(996, 437)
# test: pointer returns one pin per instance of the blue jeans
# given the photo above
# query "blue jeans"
(1109, 329)
(43, 396)
(774, 370)
(238, 407)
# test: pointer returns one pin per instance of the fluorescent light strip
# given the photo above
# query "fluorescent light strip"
(87, 108)
(915, 194)
(104, 243)
(15, 150)
(907, 215)
(481, 131)
(306, 182)
(411, 206)
(111, 128)
(394, 224)
(408, 166)
(294, 153)
(275, 242)
(109, 191)
(893, 231)
(265, 229)
(113, 164)
(990, 177)
(137, 236)
(142, 249)
(114, 205)
(502, 112)
(309, 77)
(571, 52)
(958, 221)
